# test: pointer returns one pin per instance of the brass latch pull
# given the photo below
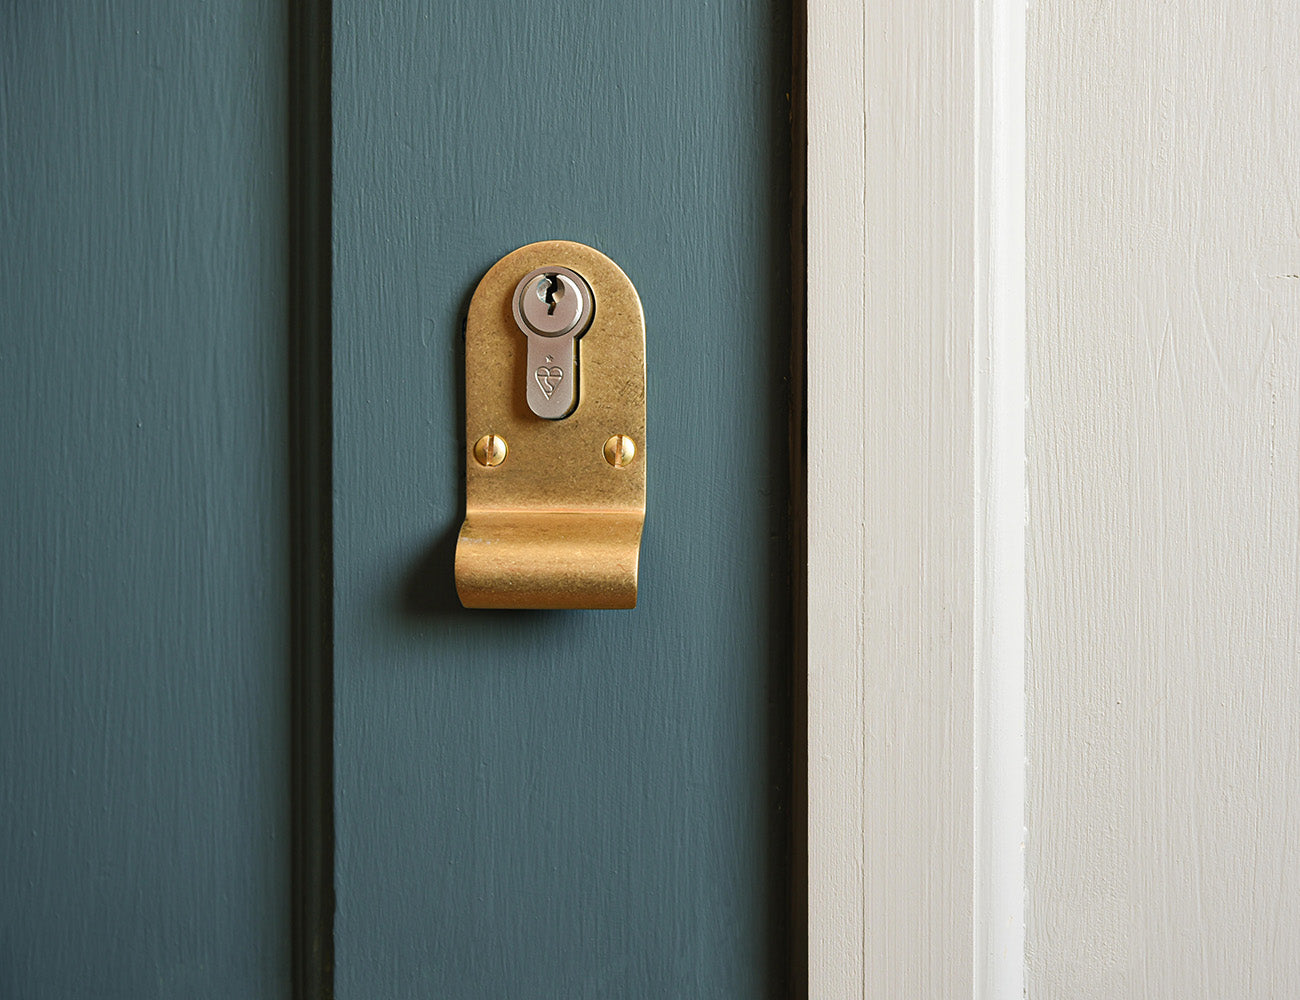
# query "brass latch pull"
(555, 432)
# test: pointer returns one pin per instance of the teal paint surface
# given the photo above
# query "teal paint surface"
(584, 804)
(143, 509)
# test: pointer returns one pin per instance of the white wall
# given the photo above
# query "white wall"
(1164, 499)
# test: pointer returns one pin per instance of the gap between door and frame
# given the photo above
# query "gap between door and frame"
(311, 523)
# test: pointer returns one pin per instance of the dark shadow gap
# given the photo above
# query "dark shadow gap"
(798, 885)
(786, 924)
(311, 516)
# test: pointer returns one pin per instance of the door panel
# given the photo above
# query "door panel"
(563, 803)
(143, 621)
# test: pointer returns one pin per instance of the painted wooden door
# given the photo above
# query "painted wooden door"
(527, 804)
(564, 803)
(144, 644)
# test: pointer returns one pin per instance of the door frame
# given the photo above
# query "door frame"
(915, 365)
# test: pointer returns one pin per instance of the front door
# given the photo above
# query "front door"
(525, 804)
(564, 803)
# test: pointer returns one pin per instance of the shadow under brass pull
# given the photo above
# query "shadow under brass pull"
(554, 503)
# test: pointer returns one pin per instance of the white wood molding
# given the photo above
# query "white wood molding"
(915, 498)
(1000, 504)
(1161, 562)
(1164, 490)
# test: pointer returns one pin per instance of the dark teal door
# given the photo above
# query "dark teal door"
(530, 804)
(583, 804)
(144, 642)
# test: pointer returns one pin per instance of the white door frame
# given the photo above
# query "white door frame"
(1155, 583)
(916, 501)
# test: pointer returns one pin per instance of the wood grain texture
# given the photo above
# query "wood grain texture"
(1164, 450)
(891, 484)
(143, 707)
(577, 804)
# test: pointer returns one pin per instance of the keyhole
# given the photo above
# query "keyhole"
(552, 292)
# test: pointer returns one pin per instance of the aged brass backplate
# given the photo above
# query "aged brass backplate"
(555, 524)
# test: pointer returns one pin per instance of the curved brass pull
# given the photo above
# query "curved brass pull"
(554, 507)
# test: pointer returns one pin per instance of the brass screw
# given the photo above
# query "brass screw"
(490, 450)
(620, 450)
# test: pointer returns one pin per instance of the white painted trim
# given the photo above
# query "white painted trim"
(915, 366)
(1164, 493)
(1000, 593)
(837, 455)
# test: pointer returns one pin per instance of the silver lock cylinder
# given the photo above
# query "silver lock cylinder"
(553, 307)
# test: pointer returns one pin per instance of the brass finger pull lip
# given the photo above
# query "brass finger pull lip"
(555, 433)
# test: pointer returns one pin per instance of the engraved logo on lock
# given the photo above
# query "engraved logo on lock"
(548, 378)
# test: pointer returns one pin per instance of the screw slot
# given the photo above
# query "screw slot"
(490, 450)
(620, 450)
